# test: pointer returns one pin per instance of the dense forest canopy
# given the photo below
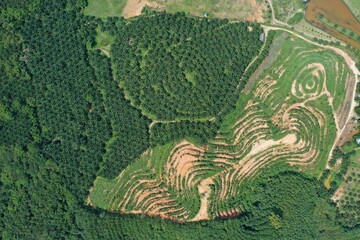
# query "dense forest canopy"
(177, 67)
(63, 120)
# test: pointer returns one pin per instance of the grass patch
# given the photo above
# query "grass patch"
(105, 8)
(190, 76)
(103, 39)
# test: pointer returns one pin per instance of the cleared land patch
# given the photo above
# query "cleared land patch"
(249, 10)
(134, 7)
(286, 9)
(289, 118)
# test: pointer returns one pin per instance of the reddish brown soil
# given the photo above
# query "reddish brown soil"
(337, 12)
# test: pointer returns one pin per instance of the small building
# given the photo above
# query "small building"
(206, 14)
(262, 37)
(358, 141)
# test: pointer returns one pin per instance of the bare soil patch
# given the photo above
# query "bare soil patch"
(180, 164)
(204, 191)
(133, 7)
(349, 131)
(343, 111)
(338, 194)
(257, 13)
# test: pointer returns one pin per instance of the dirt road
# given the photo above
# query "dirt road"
(274, 20)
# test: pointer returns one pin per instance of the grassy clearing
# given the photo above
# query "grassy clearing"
(105, 8)
(103, 39)
(286, 10)
(254, 10)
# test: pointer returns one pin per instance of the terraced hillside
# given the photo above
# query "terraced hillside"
(290, 118)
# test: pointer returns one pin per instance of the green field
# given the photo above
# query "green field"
(105, 8)
(286, 120)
